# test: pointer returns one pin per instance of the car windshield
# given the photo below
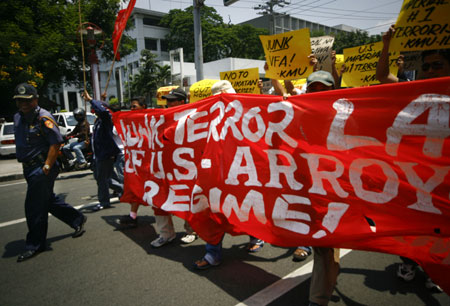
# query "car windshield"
(72, 121)
(8, 129)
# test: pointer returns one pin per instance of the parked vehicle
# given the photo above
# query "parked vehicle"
(67, 122)
(7, 139)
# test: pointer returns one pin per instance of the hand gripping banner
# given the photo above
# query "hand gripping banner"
(364, 168)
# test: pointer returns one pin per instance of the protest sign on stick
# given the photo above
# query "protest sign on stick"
(243, 80)
(361, 64)
(321, 47)
(422, 25)
(287, 54)
(200, 90)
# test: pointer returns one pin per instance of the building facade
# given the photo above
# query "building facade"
(150, 35)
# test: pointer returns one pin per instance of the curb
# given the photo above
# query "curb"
(13, 177)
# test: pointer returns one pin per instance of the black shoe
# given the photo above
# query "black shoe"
(100, 207)
(27, 255)
(128, 221)
(79, 230)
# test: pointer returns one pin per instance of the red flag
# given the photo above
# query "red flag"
(119, 26)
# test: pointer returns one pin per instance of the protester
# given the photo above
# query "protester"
(213, 256)
(104, 148)
(130, 220)
(81, 132)
(326, 260)
(116, 181)
(38, 141)
(435, 64)
(164, 221)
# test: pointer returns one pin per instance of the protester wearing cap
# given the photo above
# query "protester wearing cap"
(176, 97)
(163, 219)
(319, 81)
(326, 260)
(37, 146)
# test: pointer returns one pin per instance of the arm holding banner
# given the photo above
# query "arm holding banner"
(383, 75)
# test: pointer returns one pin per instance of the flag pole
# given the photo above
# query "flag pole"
(112, 64)
(82, 49)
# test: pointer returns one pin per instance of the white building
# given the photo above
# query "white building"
(149, 35)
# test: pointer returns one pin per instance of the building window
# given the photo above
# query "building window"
(151, 44)
(164, 45)
(151, 21)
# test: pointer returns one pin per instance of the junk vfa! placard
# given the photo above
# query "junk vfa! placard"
(287, 54)
(243, 80)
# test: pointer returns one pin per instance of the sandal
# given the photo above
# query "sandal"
(254, 247)
(202, 264)
(300, 254)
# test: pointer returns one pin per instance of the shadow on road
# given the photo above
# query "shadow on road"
(392, 283)
(232, 275)
(14, 248)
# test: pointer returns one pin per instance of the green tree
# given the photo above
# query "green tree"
(345, 40)
(39, 43)
(220, 40)
(150, 76)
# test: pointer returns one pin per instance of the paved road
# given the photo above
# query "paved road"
(107, 266)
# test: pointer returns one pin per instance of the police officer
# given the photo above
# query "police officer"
(37, 145)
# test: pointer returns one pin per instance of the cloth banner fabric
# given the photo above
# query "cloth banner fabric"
(120, 24)
(362, 168)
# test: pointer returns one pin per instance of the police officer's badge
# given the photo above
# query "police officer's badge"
(21, 90)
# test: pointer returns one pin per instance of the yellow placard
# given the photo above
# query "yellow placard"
(339, 64)
(200, 90)
(162, 91)
(243, 80)
(361, 64)
(287, 54)
(297, 83)
(321, 47)
(422, 25)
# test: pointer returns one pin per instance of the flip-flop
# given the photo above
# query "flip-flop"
(253, 248)
(302, 256)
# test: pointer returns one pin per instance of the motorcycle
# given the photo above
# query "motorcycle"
(66, 165)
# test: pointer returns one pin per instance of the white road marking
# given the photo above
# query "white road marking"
(8, 223)
(287, 283)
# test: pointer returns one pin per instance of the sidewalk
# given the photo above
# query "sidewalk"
(10, 169)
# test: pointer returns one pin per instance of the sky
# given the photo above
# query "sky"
(369, 15)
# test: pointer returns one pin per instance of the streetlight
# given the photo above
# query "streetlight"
(92, 33)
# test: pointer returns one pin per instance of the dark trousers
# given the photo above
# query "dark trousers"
(102, 172)
(41, 200)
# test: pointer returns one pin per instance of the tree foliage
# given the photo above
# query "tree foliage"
(151, 76)
(39, 43)
(219, 40)
(345, 40)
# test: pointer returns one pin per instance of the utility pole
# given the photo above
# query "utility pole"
(198, 39)
(267, 9)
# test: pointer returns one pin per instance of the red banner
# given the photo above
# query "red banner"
(364, 168)
(119, 26)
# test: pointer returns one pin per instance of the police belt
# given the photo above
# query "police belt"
(37, 161)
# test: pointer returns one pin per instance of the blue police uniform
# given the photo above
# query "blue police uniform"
(105, 151)
(35, 132)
